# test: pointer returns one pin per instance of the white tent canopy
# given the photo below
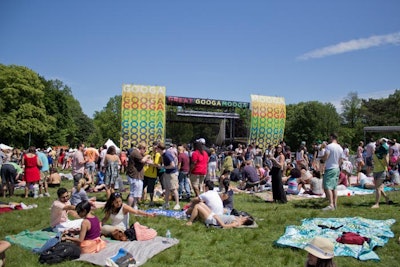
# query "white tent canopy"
(5, 147)
(111, 143)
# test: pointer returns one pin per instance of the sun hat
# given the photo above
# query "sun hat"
(320, 247)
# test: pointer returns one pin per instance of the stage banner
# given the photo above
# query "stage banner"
(268, 116)
(142, 114)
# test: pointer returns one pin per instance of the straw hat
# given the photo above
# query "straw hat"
(320, 247)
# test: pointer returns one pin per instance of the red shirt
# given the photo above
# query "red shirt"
(200, 162)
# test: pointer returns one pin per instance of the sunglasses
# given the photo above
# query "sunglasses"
(117, 194)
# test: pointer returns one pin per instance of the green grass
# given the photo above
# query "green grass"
(201, 246)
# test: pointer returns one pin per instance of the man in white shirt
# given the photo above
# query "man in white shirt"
(211, 198)
(333, 157)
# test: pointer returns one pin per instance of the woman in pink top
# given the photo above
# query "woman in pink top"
(199, 167)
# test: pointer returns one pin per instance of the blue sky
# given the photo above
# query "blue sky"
(300, 50)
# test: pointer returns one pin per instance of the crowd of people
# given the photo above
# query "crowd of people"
(186, 174)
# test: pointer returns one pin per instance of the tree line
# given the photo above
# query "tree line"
(40, 112)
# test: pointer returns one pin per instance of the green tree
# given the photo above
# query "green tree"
(310, 121)
(351, 107)
(24, 120)
(107, 122)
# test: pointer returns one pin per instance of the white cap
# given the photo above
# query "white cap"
(201, 140)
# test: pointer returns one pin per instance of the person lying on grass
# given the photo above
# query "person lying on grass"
(89, 236)
(203, 212)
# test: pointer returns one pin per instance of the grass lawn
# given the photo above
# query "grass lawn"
(201, 246)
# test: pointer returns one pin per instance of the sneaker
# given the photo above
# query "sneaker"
(165, 206)
(328, 208)
(40, 195)
(46, 194)
(177, 207)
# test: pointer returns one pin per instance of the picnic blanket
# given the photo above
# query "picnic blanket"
(177, 214)
(377, 230)
(141, 250)
(30, 240)
(341, 191)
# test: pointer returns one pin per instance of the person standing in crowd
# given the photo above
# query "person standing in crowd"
(10, 171)
(332, 158)
(212, 165)
(44, 174)
(111, 166)
(135, 173)
(369, 151)
(78, 164)
(320, 253)
(31, 163)
(380, 161)
(171, 181)
(198, 169)
(359, 157)
(183, 167)
(124, 161)
(151, 173)
(91, 156)
(278, 165)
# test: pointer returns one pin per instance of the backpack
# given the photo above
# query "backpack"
(60, 252)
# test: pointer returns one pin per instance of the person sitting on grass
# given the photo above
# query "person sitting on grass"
(315, 185)
(227, 196)
(119, 214)
(210, 197)
(90, 231)
(320, 253)
(293, 182)
(203, 212)
(54, 180)
(60, 209)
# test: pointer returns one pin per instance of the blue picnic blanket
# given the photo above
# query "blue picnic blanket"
(377, 230)
(177, 214)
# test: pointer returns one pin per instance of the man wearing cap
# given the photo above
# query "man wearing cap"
(320, 252)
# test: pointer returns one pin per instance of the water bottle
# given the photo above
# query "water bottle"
(168, 234)
(36, 191)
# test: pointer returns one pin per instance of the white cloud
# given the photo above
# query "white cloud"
(353, 45)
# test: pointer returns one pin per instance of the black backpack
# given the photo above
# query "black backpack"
(60, 252)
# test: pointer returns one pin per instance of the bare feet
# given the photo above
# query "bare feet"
(189, 223)
(375, 206)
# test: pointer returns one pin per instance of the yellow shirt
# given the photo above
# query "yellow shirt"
(151, 171)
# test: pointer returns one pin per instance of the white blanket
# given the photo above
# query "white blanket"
(141, 250)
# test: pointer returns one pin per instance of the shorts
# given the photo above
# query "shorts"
(331, 178)
(135, 187)
(379, 176)
(77, 177)
(171, 181)
(90, 168)
(211, 220)
(197, 180)
(149, 183)
(44, 176)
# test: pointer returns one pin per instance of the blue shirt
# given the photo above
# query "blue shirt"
(44, 160)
